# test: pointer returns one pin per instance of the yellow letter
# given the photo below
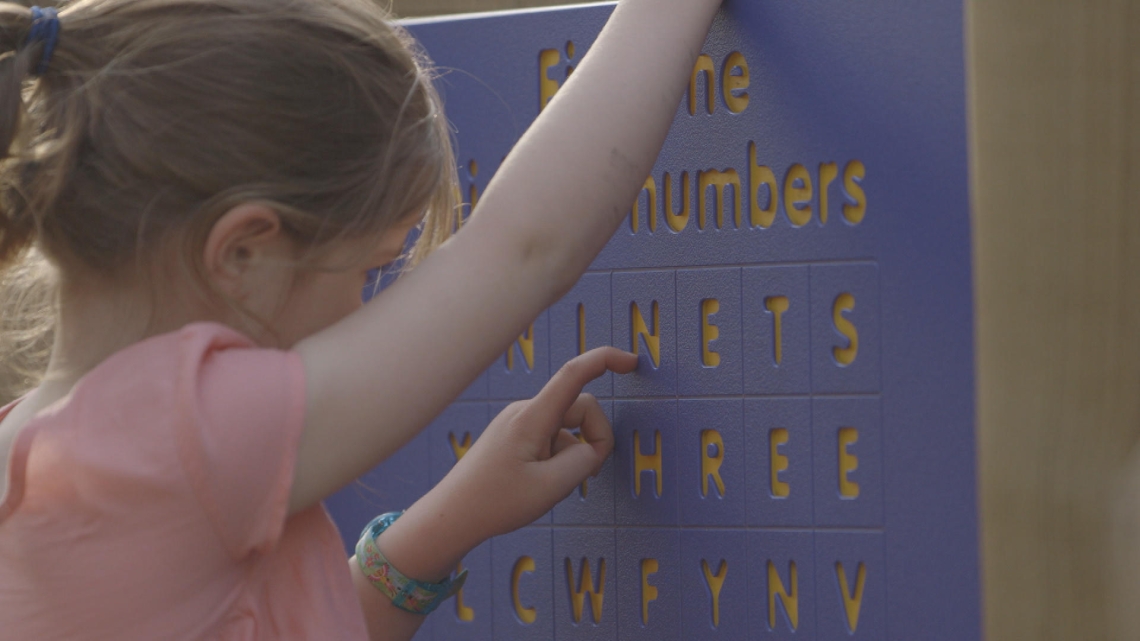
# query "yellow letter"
(581, 328)
(586, 586)
(648, 592)
(777, 305)
(730, 83)
(704, 65)
(459, 447)
(848, 463)
(852, 604)
(845, 355)
(639, 328)
(790, 599)
(828, 171)
(719, 181)
(678, 221)
(797, 200)
(526, 615)
(547, 87)
(762, 175)
(462, 612)
(651, 211)
(853, 175)
(710, 465)
(647, 463)
(778, 462)
(716, 582)
(526, 346)
(709, 332)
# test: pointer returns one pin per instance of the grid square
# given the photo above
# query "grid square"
(708, 332)
(649, 572)
(776, 313)
(711, 457)
(645, 455)
(780, 492)
(523, 584)
(714, 559)
(848, 461)
(575, 550)
(845, 328)
(583, 319)
(525, 367)
(636, 327)
(851, 586)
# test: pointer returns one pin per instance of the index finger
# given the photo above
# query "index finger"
(567, 383)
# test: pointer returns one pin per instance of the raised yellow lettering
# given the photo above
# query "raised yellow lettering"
(848, 463)
(526, 347)
(704, 66)
(459, 447)
(853, 175)
(789, 598)
(586, 586)
(650, 188)
(719, 181)
(526, 615)
(678, 221)
(762, 175)
(648, 592)
(709, 332)
(715, 582)
(777, 305)
(463, 612)
(845, 355)
(777, 462)
(710, 464)
(852, 604)
(547, 86)
(647, 463)
(797, 195)
(640, 328)
(734, 85)
(828, 172)
(581, 328)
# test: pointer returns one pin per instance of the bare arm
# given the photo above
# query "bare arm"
(383, 373)
(524, 463)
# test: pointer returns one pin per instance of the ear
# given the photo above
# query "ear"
(240, 244)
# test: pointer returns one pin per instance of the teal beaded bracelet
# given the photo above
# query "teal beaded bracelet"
(406, 593)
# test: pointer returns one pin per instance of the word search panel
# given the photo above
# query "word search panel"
(795, 453)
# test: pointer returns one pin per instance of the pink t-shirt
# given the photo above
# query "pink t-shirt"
(152, 503)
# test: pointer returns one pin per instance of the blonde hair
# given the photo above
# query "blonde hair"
(155, 117)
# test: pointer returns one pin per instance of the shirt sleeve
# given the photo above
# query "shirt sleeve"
(246, 410)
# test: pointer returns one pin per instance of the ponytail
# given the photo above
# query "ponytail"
(17, 226)
(27, 292)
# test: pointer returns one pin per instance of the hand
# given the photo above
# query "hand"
(527, 460)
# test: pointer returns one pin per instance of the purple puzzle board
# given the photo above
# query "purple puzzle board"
(795, 455)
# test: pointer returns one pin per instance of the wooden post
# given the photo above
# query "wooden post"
(1055, 133)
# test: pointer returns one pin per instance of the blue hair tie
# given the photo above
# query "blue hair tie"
(45, 28)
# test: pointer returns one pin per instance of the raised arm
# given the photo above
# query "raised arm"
(383, 373)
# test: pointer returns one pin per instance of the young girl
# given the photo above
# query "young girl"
(211, 181)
